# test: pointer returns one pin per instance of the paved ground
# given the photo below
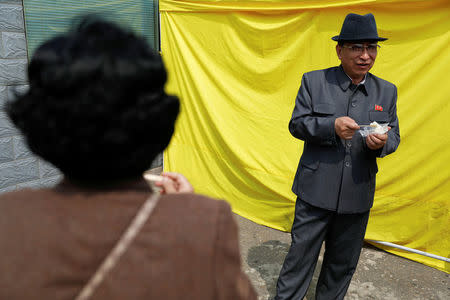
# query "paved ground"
(379, 275)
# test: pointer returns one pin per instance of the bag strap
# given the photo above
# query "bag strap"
(120, 247)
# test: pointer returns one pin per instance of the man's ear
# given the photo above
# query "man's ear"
(338, 51)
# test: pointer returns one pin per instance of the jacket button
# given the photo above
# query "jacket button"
(347, 164)
(353, 104)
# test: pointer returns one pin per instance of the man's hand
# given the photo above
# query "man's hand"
(376, 141)
(174, 183)
(345, 127)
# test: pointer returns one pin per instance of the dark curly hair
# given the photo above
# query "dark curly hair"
(96, 106)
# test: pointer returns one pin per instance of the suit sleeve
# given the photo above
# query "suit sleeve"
(312, 125)
(231, 282)
(393, 134)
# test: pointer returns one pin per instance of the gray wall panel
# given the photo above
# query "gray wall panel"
(19, 168)
(13, 45)
(11, 17)
(6, 150)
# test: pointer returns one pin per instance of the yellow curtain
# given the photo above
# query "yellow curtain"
(237, 66)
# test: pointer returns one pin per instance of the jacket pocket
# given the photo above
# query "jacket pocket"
(379, 116)
(311, 165)
(324, 108)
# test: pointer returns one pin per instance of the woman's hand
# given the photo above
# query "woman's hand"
(174, 183)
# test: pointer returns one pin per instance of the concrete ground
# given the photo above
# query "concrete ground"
(379, 275)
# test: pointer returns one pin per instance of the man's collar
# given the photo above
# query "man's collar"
(345, 81)
(362, 81)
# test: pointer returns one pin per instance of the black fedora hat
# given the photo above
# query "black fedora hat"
(358, 28)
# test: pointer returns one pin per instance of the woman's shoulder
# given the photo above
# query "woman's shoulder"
(193, 210)
(193, 202)
(16, 198)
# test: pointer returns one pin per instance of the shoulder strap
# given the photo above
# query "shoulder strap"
(120, 248)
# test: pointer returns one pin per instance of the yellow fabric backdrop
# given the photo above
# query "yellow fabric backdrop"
(237, 66)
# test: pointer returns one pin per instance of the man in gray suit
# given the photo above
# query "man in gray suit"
(335, 179)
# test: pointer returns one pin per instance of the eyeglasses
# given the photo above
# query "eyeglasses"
(359, 48)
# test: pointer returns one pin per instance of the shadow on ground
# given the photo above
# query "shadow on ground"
(267, 260)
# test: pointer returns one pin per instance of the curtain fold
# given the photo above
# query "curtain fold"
(276, 6)
(237, 66)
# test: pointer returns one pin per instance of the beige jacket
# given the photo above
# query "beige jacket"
(52, 241)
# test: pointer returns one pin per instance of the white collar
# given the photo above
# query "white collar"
(362, 82)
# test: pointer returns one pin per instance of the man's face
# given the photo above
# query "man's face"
(357, 58)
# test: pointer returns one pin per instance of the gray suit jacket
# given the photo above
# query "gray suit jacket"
(335, 174)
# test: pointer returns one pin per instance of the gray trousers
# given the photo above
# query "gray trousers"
(343, 235)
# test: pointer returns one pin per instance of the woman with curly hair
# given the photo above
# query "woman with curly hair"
(96, 109)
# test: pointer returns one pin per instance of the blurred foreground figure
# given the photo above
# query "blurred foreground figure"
(97, 110)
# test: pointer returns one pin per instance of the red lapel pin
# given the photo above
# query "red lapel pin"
(379, 107)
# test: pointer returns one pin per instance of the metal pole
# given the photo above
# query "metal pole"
(411, 250)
